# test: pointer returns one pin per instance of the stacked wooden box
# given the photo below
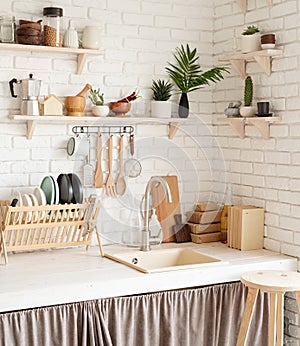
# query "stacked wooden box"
(205, 223)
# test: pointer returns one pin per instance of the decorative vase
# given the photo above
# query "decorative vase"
(183, 110)
(100, 111)
(250, 43)
(247, 111)
(161, 109)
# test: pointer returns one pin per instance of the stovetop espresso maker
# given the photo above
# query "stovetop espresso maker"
(30, 91)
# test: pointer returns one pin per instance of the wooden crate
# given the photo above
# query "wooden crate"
(45, 227)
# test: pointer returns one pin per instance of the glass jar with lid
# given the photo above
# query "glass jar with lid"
(7, 29)
(52, 24)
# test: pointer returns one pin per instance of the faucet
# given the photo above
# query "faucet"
(145, 245)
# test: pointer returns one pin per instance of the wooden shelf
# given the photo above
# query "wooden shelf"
(262, 57)
(243, 4)
(261, 123)
(81, 53)
(31, 120)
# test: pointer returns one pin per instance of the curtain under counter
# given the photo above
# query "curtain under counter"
(204, 316)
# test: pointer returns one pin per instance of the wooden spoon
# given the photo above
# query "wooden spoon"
(121, 184)
(99, 182)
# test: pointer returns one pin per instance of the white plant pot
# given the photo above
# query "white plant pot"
(250, 43)
(247, 111)
(100, 111)
(161, 109)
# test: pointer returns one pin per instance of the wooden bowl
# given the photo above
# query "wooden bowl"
(120, 108)
(75, 105)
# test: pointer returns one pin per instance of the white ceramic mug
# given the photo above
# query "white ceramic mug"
(91, 37)
(78, 146)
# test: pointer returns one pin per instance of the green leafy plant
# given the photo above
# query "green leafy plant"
(96, 97)
(187, 74)
(248, 91)
(162, 90)
(251, 29)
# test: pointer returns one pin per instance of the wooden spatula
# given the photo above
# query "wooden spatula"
(110, 185)
(99, 173)
(121, 184)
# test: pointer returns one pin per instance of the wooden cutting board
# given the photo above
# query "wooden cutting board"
(165, 211)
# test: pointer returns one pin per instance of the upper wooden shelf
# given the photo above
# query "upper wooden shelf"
(32, 120)
(81, 53)
(261, 123)
(262, 57)
(243, 4)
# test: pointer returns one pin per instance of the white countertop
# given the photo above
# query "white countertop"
(70, 275)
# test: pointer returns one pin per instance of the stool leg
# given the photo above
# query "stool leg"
(279, 319)
(244, 327)
(297, 294)
(272, 322)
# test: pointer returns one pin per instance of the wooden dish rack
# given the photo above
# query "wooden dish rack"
(45, 227)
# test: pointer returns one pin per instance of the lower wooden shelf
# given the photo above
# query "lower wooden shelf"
(261, 123)
(32, 120)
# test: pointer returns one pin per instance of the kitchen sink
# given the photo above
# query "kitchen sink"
(159, 260)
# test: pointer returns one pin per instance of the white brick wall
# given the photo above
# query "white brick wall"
(269, 167)
(139, 38)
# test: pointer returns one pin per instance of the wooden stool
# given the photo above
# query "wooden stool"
(276, 283)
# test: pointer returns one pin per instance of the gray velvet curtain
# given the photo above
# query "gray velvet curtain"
(206, 316)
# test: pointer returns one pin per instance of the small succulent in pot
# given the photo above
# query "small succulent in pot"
(97, 99)
(247, 110)
(233, 109)
(250, 41)
(162, 91)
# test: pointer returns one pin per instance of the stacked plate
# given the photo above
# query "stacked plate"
(70, 188)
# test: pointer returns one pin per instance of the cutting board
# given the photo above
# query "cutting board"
(165, 211)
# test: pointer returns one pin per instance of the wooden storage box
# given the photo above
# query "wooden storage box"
(245, 227)
(204, 217)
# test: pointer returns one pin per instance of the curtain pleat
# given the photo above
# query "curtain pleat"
(205, 316)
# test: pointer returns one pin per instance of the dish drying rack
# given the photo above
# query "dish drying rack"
(47, 227)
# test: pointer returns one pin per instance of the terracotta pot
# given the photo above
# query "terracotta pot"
(267, 38)
(120, 108)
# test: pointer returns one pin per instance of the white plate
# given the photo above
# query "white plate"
(35, 203)
(18, 196)
(27, 203)
(56, 190)
(41, 198)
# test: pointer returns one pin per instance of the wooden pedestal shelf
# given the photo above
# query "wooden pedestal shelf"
(31, 120)
(261, 123)
(262, 57)
(243, 4)
(81, 53)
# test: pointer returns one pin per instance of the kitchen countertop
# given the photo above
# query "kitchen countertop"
(60, 276)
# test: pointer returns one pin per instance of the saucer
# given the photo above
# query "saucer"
(264, 115)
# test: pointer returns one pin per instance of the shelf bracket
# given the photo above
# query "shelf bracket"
(262, 126)
(30, 128)
(80, 62)
(173, 128)
(238, 125)
(242, 4)
(264, 62)
(240, 66)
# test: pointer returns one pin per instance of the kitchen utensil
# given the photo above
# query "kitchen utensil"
(91, 37)
(47, 185)
(75, 104)
(99, 182)
(77, 188)
(30, 90)
(77, 146)
(120, 108)
(110, 185)
(132, 166)
(65, 188)
(88, 170)
(165, 211)
(121, 183)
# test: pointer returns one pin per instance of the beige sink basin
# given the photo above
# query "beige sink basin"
(159, 260)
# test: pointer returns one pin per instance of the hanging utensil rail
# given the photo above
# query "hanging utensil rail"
(79, 130)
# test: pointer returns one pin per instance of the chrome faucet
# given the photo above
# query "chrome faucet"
(145, 245)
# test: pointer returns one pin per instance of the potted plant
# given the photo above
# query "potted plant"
(187, 75)
(248, 110)
(160, 106)
(97, 99)
(250, 41)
